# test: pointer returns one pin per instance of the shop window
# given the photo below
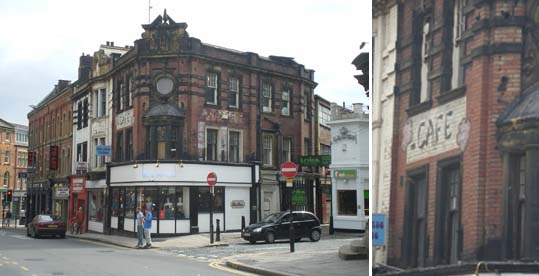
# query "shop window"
(150, 202)
(117, 203)
(166, 203)
(96, 203)
(347, 202)
(218, 200)
(182, 202)
(130, 203)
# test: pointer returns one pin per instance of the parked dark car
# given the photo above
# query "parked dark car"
(277, 226)
(43, 225)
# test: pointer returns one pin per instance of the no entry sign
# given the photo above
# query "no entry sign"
(289, 169)
(212, 179)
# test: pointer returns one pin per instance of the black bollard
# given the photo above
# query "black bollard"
(242, 222)
(292, 238)
(331, 230)
(218, 231)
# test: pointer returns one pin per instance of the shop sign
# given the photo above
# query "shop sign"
(23, 175)
(103, 150)
(62, 193)
(237, 204)
(53, 161)
(298, 197)
(436, 131)
(378, 229)
(77, 185)
(344, 174)
(315, 160)
(82, 166)
(19, 193)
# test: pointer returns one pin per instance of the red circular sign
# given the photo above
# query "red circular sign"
(212, 179)
(289, 169)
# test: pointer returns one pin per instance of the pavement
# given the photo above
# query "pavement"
(309, 258)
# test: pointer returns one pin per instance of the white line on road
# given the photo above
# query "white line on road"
(24, 268)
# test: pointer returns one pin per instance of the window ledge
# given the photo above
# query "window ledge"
(419, 108)
(451, 94)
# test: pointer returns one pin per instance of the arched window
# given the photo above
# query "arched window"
(6, 179)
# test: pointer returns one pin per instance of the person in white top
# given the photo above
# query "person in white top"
(140, 228)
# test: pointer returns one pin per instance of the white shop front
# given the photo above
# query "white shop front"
(179, 197)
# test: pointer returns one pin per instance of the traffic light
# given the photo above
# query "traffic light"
(3, 197)
(9, 195)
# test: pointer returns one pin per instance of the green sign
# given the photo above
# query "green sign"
(365, 194)
(298, 197)
(344, 174)
(315, 160)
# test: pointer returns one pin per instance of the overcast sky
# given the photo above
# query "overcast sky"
(41, 41)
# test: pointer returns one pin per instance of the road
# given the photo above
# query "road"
(21, 255)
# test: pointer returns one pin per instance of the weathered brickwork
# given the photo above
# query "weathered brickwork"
(491, 62)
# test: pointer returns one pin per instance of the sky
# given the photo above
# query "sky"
(41, 41)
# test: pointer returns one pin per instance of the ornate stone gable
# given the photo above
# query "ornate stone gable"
(164, 35)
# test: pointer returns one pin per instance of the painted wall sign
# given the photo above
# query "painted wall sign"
(124, 119)
(103, 150)
(436, 131)
(98, 128)
(345, 134)
(237, 204)
(344, 174)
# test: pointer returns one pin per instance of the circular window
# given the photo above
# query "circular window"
(164, 85)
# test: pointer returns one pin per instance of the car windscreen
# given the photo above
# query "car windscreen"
(48, 218)
(272, 218)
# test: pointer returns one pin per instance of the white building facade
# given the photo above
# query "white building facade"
(350, 167)
(384, 36)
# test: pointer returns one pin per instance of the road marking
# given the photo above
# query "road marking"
(218, 264)
(34, 274)
(24, 268)
(20, 237)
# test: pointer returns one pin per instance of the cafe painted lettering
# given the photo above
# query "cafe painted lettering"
(435, 131)
(430, 131)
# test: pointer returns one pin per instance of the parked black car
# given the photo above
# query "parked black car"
(46, 225)
(276, 226)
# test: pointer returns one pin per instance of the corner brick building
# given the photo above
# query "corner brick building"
(182, 107)
(464, 174)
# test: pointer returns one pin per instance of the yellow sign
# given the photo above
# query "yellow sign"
(289, 182)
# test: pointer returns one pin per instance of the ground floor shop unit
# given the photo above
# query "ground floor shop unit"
(350, 198)
(41, 197)
(179, 197)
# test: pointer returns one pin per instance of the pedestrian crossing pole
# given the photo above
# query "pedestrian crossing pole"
(212, 180)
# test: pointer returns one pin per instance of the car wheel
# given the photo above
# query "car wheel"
(62, 236)
(315, 235)
(28, 232)
(297, 239)
(252, 241)
(270, 237)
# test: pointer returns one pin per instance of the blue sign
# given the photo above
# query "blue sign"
(378, 229)
(23, 175)
(103, 150)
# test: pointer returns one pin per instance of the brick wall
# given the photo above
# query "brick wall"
(492, 80)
